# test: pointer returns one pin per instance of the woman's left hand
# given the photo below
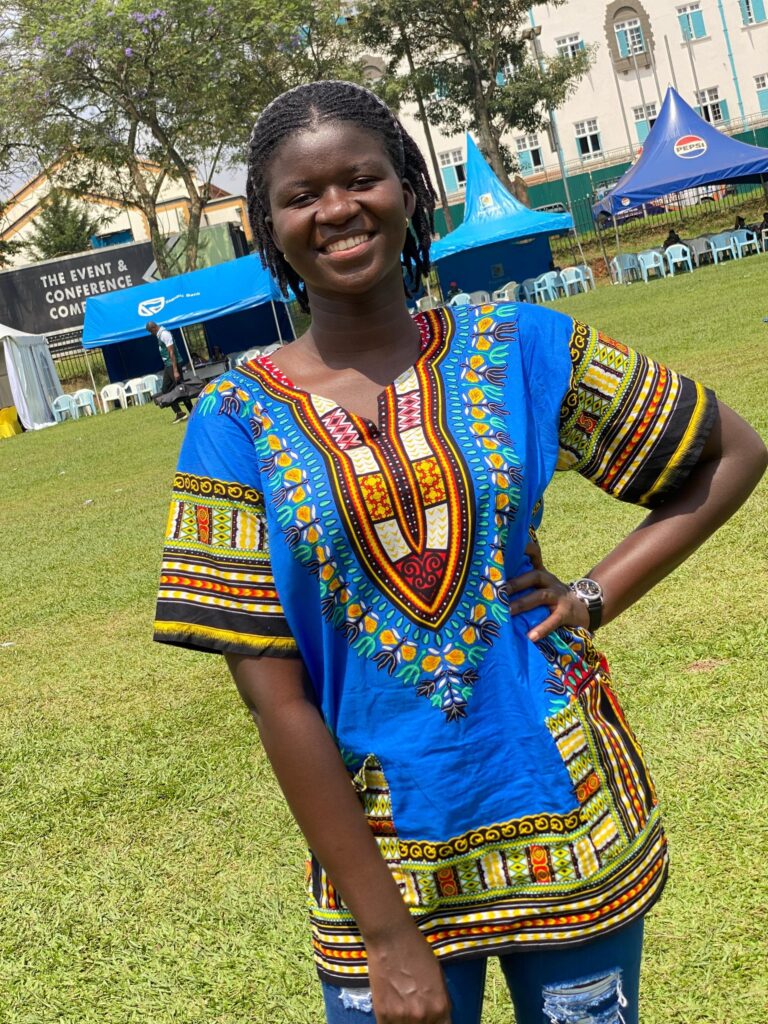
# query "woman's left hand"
(545, 589)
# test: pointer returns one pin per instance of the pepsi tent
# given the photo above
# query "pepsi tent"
(235, 300)
(682, 151)
(514, 241)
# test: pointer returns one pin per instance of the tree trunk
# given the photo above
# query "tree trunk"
(427, 132)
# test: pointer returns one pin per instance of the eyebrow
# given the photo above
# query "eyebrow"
(355, 168)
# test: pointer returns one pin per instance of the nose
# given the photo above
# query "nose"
(337, 206)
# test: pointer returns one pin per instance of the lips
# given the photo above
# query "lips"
(341, 245)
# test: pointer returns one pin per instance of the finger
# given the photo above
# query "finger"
(533, 550)
(536, 578)
(535, 599)
(549, 625)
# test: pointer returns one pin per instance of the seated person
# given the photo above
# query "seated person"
(453, 289)
(672, 239)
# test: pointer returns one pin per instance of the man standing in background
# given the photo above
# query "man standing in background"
(173, 364)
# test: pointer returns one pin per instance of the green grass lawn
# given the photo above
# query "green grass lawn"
(149, 871)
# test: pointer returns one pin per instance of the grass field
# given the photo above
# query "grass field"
(149, 871)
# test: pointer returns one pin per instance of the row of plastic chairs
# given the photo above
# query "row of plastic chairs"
(138, 390)
(82, 402)
(629, 267)
(544, 288)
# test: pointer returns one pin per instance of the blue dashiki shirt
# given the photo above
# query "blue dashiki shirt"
(505, 789)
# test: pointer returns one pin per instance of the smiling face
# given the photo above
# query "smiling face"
(338, 209)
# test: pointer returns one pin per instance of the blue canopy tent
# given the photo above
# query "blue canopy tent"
(514, 241)
(235, 300)
(682, 151)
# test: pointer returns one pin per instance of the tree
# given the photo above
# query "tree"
(472, 66)
(136, 94)
(63, 227)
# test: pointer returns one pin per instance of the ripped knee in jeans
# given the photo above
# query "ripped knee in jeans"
(357, 999)
(598, 999)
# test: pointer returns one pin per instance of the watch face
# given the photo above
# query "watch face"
(589, 588)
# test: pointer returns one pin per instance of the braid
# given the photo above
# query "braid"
(306, 107)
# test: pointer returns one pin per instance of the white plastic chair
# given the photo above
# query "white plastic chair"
(589, 277)
(722, 246)
(506, 293)
(113, 393)
(85, 400)
(548, 286)
(525, 291)
(425, 303)
(764, 237)
(461, 299)
(153, 383)
(64, 407)
(651, 260)
(625, 268)
(135, 390)
(573, 278)
(678, 256)
(479, 298)
(743, 241)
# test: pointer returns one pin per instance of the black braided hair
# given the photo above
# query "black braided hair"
(306, 107)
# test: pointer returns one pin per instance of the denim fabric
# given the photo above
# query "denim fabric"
(596, 982)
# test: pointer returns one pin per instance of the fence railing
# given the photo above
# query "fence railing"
(70, 359)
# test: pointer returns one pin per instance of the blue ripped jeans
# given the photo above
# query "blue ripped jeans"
(593, 983)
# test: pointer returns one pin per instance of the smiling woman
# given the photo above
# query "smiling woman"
(351, 527)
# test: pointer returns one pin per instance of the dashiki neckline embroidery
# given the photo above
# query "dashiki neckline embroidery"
(379, 480)
(404, 491)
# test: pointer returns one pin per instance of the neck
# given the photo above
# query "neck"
(357, 328)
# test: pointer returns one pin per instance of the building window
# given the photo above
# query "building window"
(569, 46)
(629, 35)
(761, 84)
(453, 169)
(753, 12)
(588, 139)
(645, 118)
(711, 107)
(691, 21)
(529, 154)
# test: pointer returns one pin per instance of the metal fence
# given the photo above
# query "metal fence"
(71, 361)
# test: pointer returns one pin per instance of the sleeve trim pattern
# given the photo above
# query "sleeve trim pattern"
(217, 590)
(207, 638)
(632, 426)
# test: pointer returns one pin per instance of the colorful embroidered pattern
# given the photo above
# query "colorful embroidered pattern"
(407, 504)
(631, 426)
(605, 858)
(216, 582)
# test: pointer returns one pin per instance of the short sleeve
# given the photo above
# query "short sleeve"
(630, 425)
(217, 590)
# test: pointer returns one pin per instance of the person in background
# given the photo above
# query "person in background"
(672, 239)
(173, 364)
(453, 290)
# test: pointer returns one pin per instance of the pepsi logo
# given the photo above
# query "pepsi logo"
(626, 201)
(690, 146)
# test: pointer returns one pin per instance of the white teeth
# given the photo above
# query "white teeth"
(346, 243)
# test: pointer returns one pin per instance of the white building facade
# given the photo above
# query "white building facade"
(714, 52)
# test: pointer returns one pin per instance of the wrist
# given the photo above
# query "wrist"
(590, 594)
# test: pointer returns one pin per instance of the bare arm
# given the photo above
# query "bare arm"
(406, 979)
(174, 365)
(732, 461)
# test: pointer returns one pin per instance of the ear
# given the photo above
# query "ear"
(409, 197)
(273, 234)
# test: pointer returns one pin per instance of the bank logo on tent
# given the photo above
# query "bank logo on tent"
(690, 146)
(151, 306)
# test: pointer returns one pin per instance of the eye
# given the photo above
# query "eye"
(363, 182)
(302, 199)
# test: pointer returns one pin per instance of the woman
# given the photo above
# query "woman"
(349, 527)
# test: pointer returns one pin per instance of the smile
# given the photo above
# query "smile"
(345, 244)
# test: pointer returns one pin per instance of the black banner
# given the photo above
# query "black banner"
(51, 296)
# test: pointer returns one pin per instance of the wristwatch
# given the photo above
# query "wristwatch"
(591, 593)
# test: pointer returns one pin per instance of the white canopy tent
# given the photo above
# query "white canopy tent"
(34, 383)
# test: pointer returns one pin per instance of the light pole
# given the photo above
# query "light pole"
(531, 35)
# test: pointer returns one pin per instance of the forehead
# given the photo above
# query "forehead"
(330, 146)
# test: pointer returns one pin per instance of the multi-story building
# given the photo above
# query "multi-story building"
(714, 52)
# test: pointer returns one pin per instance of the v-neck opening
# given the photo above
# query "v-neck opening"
(432, 339)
